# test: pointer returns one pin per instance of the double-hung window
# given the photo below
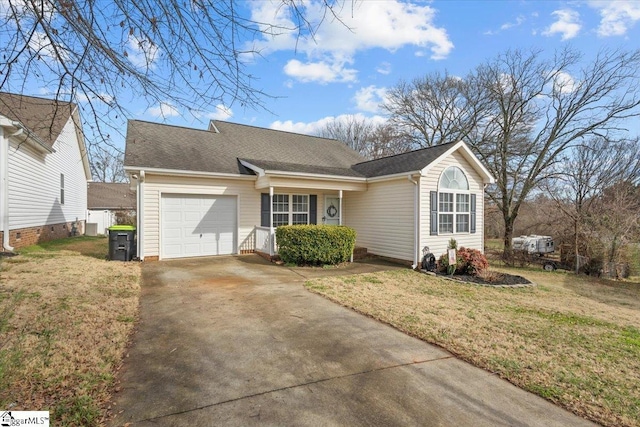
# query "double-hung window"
(290, 209)
(454, 202)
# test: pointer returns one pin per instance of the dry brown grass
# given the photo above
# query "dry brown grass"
(65, 319)
(573, 340)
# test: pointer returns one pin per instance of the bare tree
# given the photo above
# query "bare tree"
(581, 180)
(107, 165)
(434, 109)
(352, 130)
(521, 112)
(170, 53)
(614, 221)
(386, 140)
(372, 140)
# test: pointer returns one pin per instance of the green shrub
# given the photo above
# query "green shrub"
(315, 244)
(468, 261)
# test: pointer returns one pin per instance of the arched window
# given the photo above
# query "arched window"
(454, 179)
(455, 203)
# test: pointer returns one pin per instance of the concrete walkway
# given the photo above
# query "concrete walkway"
(238, 341)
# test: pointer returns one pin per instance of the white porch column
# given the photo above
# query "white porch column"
(340, 196)
(271, 232)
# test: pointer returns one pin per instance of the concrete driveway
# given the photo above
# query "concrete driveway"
(239, 341)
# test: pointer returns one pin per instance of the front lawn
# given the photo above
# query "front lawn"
(572, 339)
(65, 317)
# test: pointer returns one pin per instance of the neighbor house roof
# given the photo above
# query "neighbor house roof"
(44, 117)
(158, 146)
(111, 196)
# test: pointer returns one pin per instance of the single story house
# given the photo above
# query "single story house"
(44, 170)
(225, 189)
(106, 201)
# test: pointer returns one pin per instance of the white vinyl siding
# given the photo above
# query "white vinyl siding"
(438, 244)
(35, 182)
(248, 202)
(383, 218)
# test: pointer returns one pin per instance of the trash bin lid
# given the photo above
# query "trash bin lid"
(122, 228)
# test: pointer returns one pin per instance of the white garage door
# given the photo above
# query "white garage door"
(198, 225)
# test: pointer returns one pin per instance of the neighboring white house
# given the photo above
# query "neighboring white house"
(105, 200)
(224, 190)
(44, 170)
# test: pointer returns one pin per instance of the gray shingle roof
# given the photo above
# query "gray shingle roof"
(44, 117)
(154, 145)
(294, 167)
(400, 163)
(108, 195)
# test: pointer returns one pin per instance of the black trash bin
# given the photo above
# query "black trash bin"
(122, 245)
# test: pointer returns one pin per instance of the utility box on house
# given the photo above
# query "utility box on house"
(122, 245)
(533, 244)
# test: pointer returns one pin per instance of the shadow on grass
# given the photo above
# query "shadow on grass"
(94, 247)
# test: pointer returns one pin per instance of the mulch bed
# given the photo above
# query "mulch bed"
(504, 281)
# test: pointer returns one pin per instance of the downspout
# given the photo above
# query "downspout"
(4, 186)
(140, 219)
(416, 217)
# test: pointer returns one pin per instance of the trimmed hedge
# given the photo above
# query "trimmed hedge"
(315, 244)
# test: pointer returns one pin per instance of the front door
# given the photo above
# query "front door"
(331, 215)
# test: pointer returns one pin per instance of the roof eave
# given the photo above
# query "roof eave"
(29, 137)
(393, 176)
(179, 172)
(287, 174)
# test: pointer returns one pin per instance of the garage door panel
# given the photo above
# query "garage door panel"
(198, 225)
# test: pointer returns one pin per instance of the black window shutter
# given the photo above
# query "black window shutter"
(472, 226)
(265, 210)
(434, 213)
(313, 209)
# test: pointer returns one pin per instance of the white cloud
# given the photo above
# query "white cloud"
(507, 25)
(520, 19)
(164, 109)
(222, 112)
(102, 96)
(321, 72)
(142, 53)
(42, 44)
(567, 24)
(388, 25)
(617, 17)
(369, 98)
(563, 82)
(313, 128)
(384, 68)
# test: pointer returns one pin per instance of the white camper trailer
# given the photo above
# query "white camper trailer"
(533, 244)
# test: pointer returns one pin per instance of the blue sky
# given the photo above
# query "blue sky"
(347, 72)
(344, 72)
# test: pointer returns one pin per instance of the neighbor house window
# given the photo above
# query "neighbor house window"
(62, 189)
(454, 202)
(290, 209)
